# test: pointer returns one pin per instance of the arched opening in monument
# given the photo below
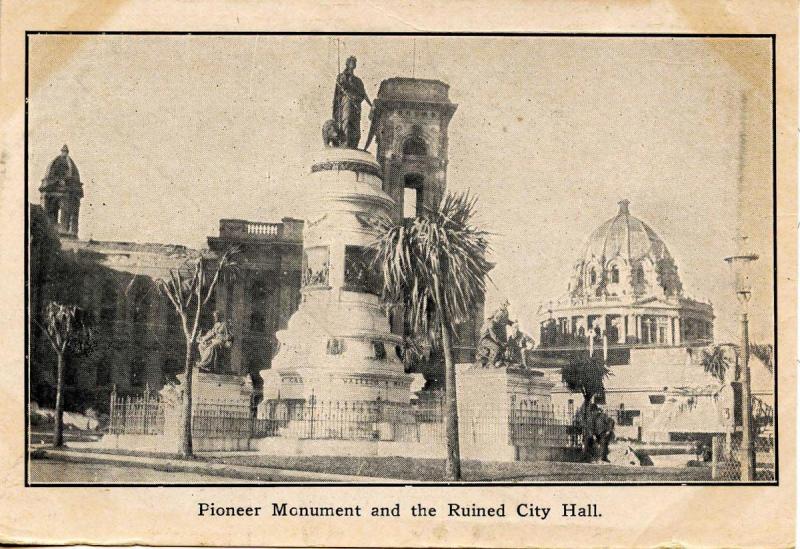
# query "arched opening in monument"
(413, 196)
(52, 210)
(415, 146)
(316, 266)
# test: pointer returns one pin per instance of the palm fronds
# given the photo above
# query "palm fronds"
(764, 353)
(441, 249)
(69, 328)
(715, 362)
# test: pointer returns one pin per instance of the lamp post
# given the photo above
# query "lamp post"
(741, 264)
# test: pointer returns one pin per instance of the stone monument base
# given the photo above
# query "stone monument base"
(495, 414)
(341, 384)
(228, 389)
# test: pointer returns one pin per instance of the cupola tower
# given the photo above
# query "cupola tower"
(61, 192)
(410, 123)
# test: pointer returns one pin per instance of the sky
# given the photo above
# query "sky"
(173, 133)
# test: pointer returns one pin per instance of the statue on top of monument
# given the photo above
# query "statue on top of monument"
(493, 339)
(344, 129)
(211, 344)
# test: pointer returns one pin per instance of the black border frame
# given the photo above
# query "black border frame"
(584, 484)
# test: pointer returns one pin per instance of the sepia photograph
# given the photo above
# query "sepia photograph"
(400, 259)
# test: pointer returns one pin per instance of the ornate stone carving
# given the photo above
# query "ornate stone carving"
(316, 266)
(360, 275)
(346, 165)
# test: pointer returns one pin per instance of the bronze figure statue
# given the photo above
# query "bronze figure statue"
(493, 341)
(211, 344)
(347, 98)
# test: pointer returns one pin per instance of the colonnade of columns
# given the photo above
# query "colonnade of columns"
(645, 328)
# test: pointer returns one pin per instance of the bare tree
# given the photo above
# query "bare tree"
(189, 290)
(70, 331)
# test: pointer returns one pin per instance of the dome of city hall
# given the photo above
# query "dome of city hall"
(625, 256)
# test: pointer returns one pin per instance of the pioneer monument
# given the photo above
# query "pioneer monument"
(342, 346)
(339, 346)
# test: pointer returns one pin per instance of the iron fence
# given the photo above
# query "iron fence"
(146, 414)
(727, 453)
(221, 420)
(136, 415)
(543, 426)
(344, 420)
(422, 421)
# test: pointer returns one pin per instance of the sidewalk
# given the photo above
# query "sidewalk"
(232, 471)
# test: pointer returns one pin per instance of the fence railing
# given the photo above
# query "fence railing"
(220, 420)
(420, 422)
(136, 415)
(147, 414)
(544, 426)
(343, 420)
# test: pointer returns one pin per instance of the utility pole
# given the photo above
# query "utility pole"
(746, 454)
(740, 265)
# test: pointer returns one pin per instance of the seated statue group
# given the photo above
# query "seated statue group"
(499, 348)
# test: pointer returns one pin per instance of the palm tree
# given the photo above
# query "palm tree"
(70, 331)
(189, 290)
(584, 374)
(715, 362)
(763, 352)
(436, 266)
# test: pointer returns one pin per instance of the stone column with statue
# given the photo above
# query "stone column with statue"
(338, 348)
(213, 381)
(344, 128)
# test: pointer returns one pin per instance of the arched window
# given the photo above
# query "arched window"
(138, 370)
(170, 367)
(139, 301)
(415, 146)
(52, 209)
(108, 303)
(638, 275)
(592, 277)
(614, 275)
(258, 304)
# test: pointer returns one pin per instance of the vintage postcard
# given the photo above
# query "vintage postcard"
(394, 275)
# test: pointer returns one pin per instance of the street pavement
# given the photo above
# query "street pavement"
(56, 472)
(172, 469)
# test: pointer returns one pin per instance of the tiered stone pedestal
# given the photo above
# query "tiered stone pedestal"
(486, 398)
(338, 346)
